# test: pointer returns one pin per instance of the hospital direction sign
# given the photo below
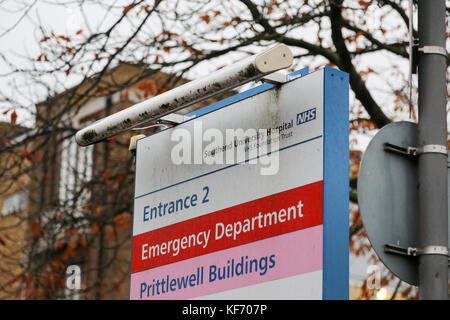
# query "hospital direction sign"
(212, 224)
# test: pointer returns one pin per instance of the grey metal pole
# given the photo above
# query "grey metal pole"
(432, 141)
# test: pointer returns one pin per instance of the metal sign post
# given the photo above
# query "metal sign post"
(403, 178)
(432, 162)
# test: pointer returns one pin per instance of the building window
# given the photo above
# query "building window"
(76, 170)
(14, 202)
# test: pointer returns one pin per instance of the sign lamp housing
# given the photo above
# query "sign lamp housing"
(249, 69)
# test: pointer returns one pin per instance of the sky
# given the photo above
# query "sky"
(21, 42)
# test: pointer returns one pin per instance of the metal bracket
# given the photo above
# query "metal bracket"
(133, 141)
(414, 252)
(423, 50)
(390, 248)
(433, 50)
(414, 151)
(279, 77)
(406, 151)
(172, 119)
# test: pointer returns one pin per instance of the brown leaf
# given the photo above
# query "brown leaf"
(64, 38)
(205, 18)
(13, 117)
(27, 155)
(35, 229)
(83, 242)
(39, 155)
(106, 175)
(119, 177)
(363, 3)
(45, 39)
(128, 8)
(59, 245)
(95, 228)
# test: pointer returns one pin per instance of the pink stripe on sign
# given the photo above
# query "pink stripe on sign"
(273, 258)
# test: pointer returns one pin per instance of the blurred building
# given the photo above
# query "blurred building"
(66, 205)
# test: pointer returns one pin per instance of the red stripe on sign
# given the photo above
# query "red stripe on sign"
(280, 213)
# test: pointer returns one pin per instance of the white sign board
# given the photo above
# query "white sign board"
(211, 225)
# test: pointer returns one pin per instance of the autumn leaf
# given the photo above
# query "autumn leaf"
(148, 86)
(98, 212)
(39, 155)
(83, 242)
(42, 56)
(110, 235)
(58, 265)
(285, 17)
(67, 39)
(79, 32)
(146, 8)
(122, 219)
(113, 140)
(116, 285)
(69, 252)
(205, 18)
(364, 4)
(128, 8)
(106, 175)
(13, 117)
(27, 155)
(35, 230)
(101, 90)
(16, 277)
(95, 228)
(119, 177)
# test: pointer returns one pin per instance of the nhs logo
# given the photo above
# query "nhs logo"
(306, 116)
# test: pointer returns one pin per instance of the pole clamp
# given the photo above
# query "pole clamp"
(441, 250)
(414, 151)
(414, 252)
(429, 148)
(433, 50)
